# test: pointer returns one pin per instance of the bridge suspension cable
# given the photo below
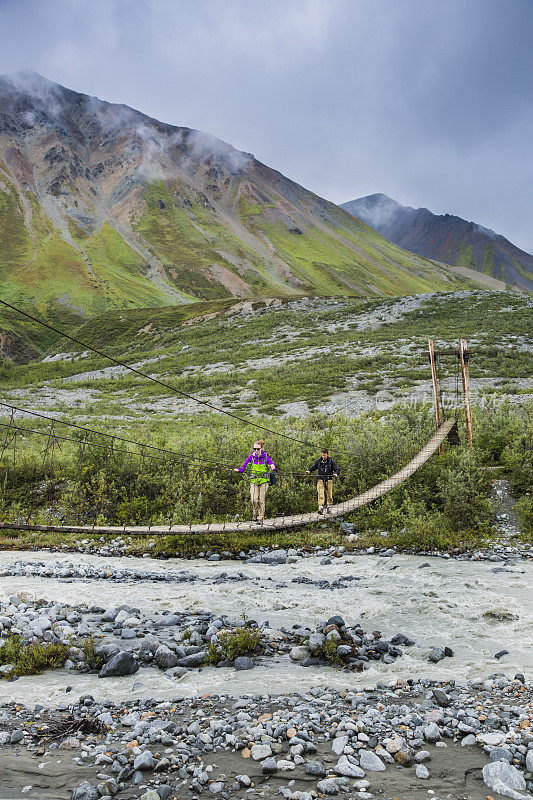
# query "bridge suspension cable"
(164, 384)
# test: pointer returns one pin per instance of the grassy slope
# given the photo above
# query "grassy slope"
(263, 359)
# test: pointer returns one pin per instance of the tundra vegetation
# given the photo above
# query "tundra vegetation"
(308, 368)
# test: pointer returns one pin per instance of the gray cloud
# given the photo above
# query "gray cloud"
(428, 102)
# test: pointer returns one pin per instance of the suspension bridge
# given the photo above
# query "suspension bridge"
(109, 446)
(275, 523)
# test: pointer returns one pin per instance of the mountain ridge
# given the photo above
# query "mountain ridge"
(446, 238)
(103, 207)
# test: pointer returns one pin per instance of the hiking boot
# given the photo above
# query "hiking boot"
(328, 509)
(320, 509)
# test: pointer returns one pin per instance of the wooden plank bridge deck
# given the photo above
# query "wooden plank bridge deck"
(273, 524)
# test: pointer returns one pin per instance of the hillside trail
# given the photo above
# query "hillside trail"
(504, 506)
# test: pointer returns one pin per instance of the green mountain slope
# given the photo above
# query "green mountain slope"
(102, 207)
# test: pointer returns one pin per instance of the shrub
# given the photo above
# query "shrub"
(329, 652)
(233, 643)
(525, 512)
(30, 658)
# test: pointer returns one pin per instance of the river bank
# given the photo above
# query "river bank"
(481, 610)
(407, 740)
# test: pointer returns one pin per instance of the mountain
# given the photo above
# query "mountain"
(103, 207)
(445, 238)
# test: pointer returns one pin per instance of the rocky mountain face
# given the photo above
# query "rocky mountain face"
(445, 238)
(103, 207)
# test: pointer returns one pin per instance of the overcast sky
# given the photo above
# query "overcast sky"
(428, 101)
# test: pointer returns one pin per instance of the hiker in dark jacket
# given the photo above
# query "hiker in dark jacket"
(327, 470)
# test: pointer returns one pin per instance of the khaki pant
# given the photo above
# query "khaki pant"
(258, 494)
(322, 501)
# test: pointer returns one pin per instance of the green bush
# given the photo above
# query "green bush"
(329, 652)
(31, 658)
(525, 512)
(463, 488)
(233, 643)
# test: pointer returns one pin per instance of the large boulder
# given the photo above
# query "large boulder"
(502, 777)
(274, 557)
(192, 660)
(124, 663)
(348, 770)
(370, 761)
(243, 662)
(164, 657)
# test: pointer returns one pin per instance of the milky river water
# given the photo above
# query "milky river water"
(462, 604)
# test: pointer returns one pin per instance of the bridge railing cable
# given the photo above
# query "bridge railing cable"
(164, 384)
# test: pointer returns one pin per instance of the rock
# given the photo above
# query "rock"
(422, 772)
(274, 557)
(504, 778)
(492, 739)
(269, 766)
(347, 527)
(242, 663)
(151, 794)
(339, 744)
(192, 660)
(422, 756)
(216, 787)
(469, 740)
(107, 651)
(400, 638)
(441, 698)
(392, 745)
(328, 787)
(348, 770)
(344, 650)
(16, 737)
(285, 766)
(501, 654)
(529, 760)
(315, 768)
(404, 756)
(298, 653)
(436, 655)
(370, 761)
(261, 751)
(176, 672)
(85, 791)
(431, 732)
(124, 663)
(164, 657)
(144, 761)
(316, 640)
(500, 754)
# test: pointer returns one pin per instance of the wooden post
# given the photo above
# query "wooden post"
(433, 362)
(463, 356)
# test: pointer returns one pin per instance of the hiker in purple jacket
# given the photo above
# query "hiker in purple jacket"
(262, 465)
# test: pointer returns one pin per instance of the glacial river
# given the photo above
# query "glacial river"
(465, 605)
